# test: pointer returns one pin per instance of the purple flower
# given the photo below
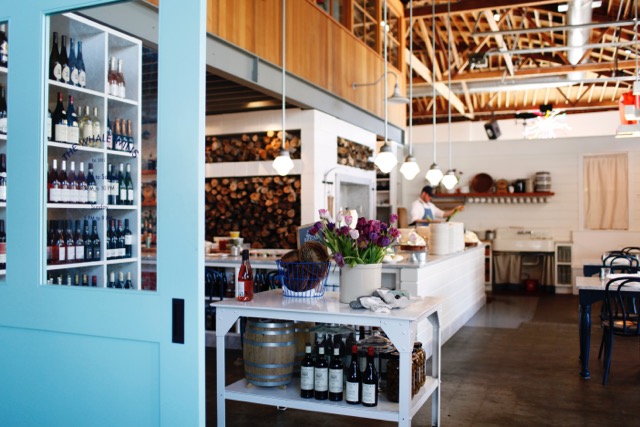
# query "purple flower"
(394, 232)
(384, 241)
(331, 226)
(316, 228)
(348, 219)
(393, 218)
(354, 234)
(344, 230)
(373, 236)
(339, 259)
(324, 214)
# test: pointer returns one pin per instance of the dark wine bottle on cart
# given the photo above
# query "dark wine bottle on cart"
(73, 66)
(82, 73)
(307, 374)
(370, 381)
(321, 377)
(353, 378)
(64, 61)
(336, 376)
(244, 284)
(55, 66)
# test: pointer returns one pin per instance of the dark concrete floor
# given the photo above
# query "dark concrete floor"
(514, 364)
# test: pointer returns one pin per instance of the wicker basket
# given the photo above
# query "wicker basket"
(303, 279)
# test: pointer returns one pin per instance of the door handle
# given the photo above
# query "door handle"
(177, 321)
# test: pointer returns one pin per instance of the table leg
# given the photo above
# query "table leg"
(224, 320)
(435, 367)
(585, 339)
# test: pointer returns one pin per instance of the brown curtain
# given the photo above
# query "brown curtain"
(606, 192)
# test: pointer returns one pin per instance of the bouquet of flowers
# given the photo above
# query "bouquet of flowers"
(367, 243)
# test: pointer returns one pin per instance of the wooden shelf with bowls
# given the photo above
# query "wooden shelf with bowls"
(498, 198)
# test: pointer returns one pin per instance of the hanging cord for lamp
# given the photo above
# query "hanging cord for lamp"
(449, 180)
(434, 174)
(410, 166)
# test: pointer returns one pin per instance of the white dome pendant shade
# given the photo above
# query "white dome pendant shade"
(434, 174)
(410, 168)
(449, 180)
(386, 160)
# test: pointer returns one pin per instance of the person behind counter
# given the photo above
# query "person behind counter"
(423, 211)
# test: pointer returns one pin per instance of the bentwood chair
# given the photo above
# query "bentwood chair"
(619, 321)
(620, 259)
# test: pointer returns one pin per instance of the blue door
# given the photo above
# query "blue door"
(98, 356)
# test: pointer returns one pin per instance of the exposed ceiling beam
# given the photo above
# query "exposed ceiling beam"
(470, 6)
(502, 45)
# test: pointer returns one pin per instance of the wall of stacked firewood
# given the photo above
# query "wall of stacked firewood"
(353, 154)
(249, 147)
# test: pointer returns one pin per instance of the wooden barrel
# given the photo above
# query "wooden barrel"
(303, 335)
(269, 352)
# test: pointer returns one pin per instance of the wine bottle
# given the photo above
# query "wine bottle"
(50, 243)
(307, 374)
(73, 184)
(85, 280)
(92, 186)
(59, 120)
(76, 281)
(3, 177)
(110, 241)
(65, 196)
(79, 242)
(73, 67)
(95, 241)
(112, 77)
(88, 243)
(120, 282)
(85, 124)
(128, 240)
(112, 280)
(61, 247)
(70, 244)
(83, 188)
(370, 381)
(321, 376)
(97, 131)
(120, 79)
(55, 66)
(122, 187)
(94, 281)
(353, 378)
(244, 284)
(129, 185)
(336, 376)
(128, 284)
(49, 126)
(111, 194)
(4, 46)
(3, 111)
(73, 135)
(64, 61)
(130, 140)
(3, 246)
(82, 73)
(328, 348)
(108, 139)
(117, 136)
(120, 238)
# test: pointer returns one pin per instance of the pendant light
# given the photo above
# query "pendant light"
(385, 160)
(410, 168)
(449, 180)
(434, 174)
(283, 163)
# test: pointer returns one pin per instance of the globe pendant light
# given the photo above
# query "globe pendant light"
(449, 180)
(283, 163)
(410, 168)
(385, 160)
(434, 174)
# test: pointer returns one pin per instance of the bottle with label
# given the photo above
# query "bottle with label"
(50, 242)
(59, 120)
(111, 186)
(321, 376)
(307, 374)
(336, 376)
(94, 281)
(108, 139)
(120, 282)
(53, 183)
(122, 188)
(370, 381)
(55, 66)
(85, 280)
(244, 284)
(88, 243)
(130, 140)
(61, 246)
(128, 182)
(85, 125)
(73, 67)
(65, 196)
(64, 61)
(79, 241)
(70, 243)
(120, 79)
(4, 46)
(128, 240)
(83, 188)
(3, 177)
(73, 184)
(73, 133)
(92, 186)
(95, 241)
(97, 130)
(112, 77)
(110, 241)
(3, 111)
(82, 73)
(112, 280)
(120, 237)
(353, 378)
(3, 246)
(49, 126)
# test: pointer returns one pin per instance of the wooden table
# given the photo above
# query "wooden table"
(400, 325)
(590, 290)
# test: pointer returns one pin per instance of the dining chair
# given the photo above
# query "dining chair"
(631, 250)
(620, 259)
(618, 320)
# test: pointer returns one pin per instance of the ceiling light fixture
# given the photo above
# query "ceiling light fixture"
(283, 163)
(396, 97)
(410, 167)
(565, 7)
(385, 160)
(434, 174)
(449, 180)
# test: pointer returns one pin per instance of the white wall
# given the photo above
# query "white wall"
(512, 157)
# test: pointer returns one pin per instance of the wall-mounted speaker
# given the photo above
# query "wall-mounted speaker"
(492, 129)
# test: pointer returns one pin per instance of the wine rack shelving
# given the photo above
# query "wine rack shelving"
(99, 44)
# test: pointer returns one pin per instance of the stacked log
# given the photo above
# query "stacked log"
(353, 154)
(266, 210)
(251, 147)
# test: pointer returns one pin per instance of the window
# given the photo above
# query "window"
(335, 8)
(606, 192)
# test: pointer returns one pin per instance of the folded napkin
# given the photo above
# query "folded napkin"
(382, 300)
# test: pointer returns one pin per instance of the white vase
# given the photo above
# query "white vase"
(361, 280)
